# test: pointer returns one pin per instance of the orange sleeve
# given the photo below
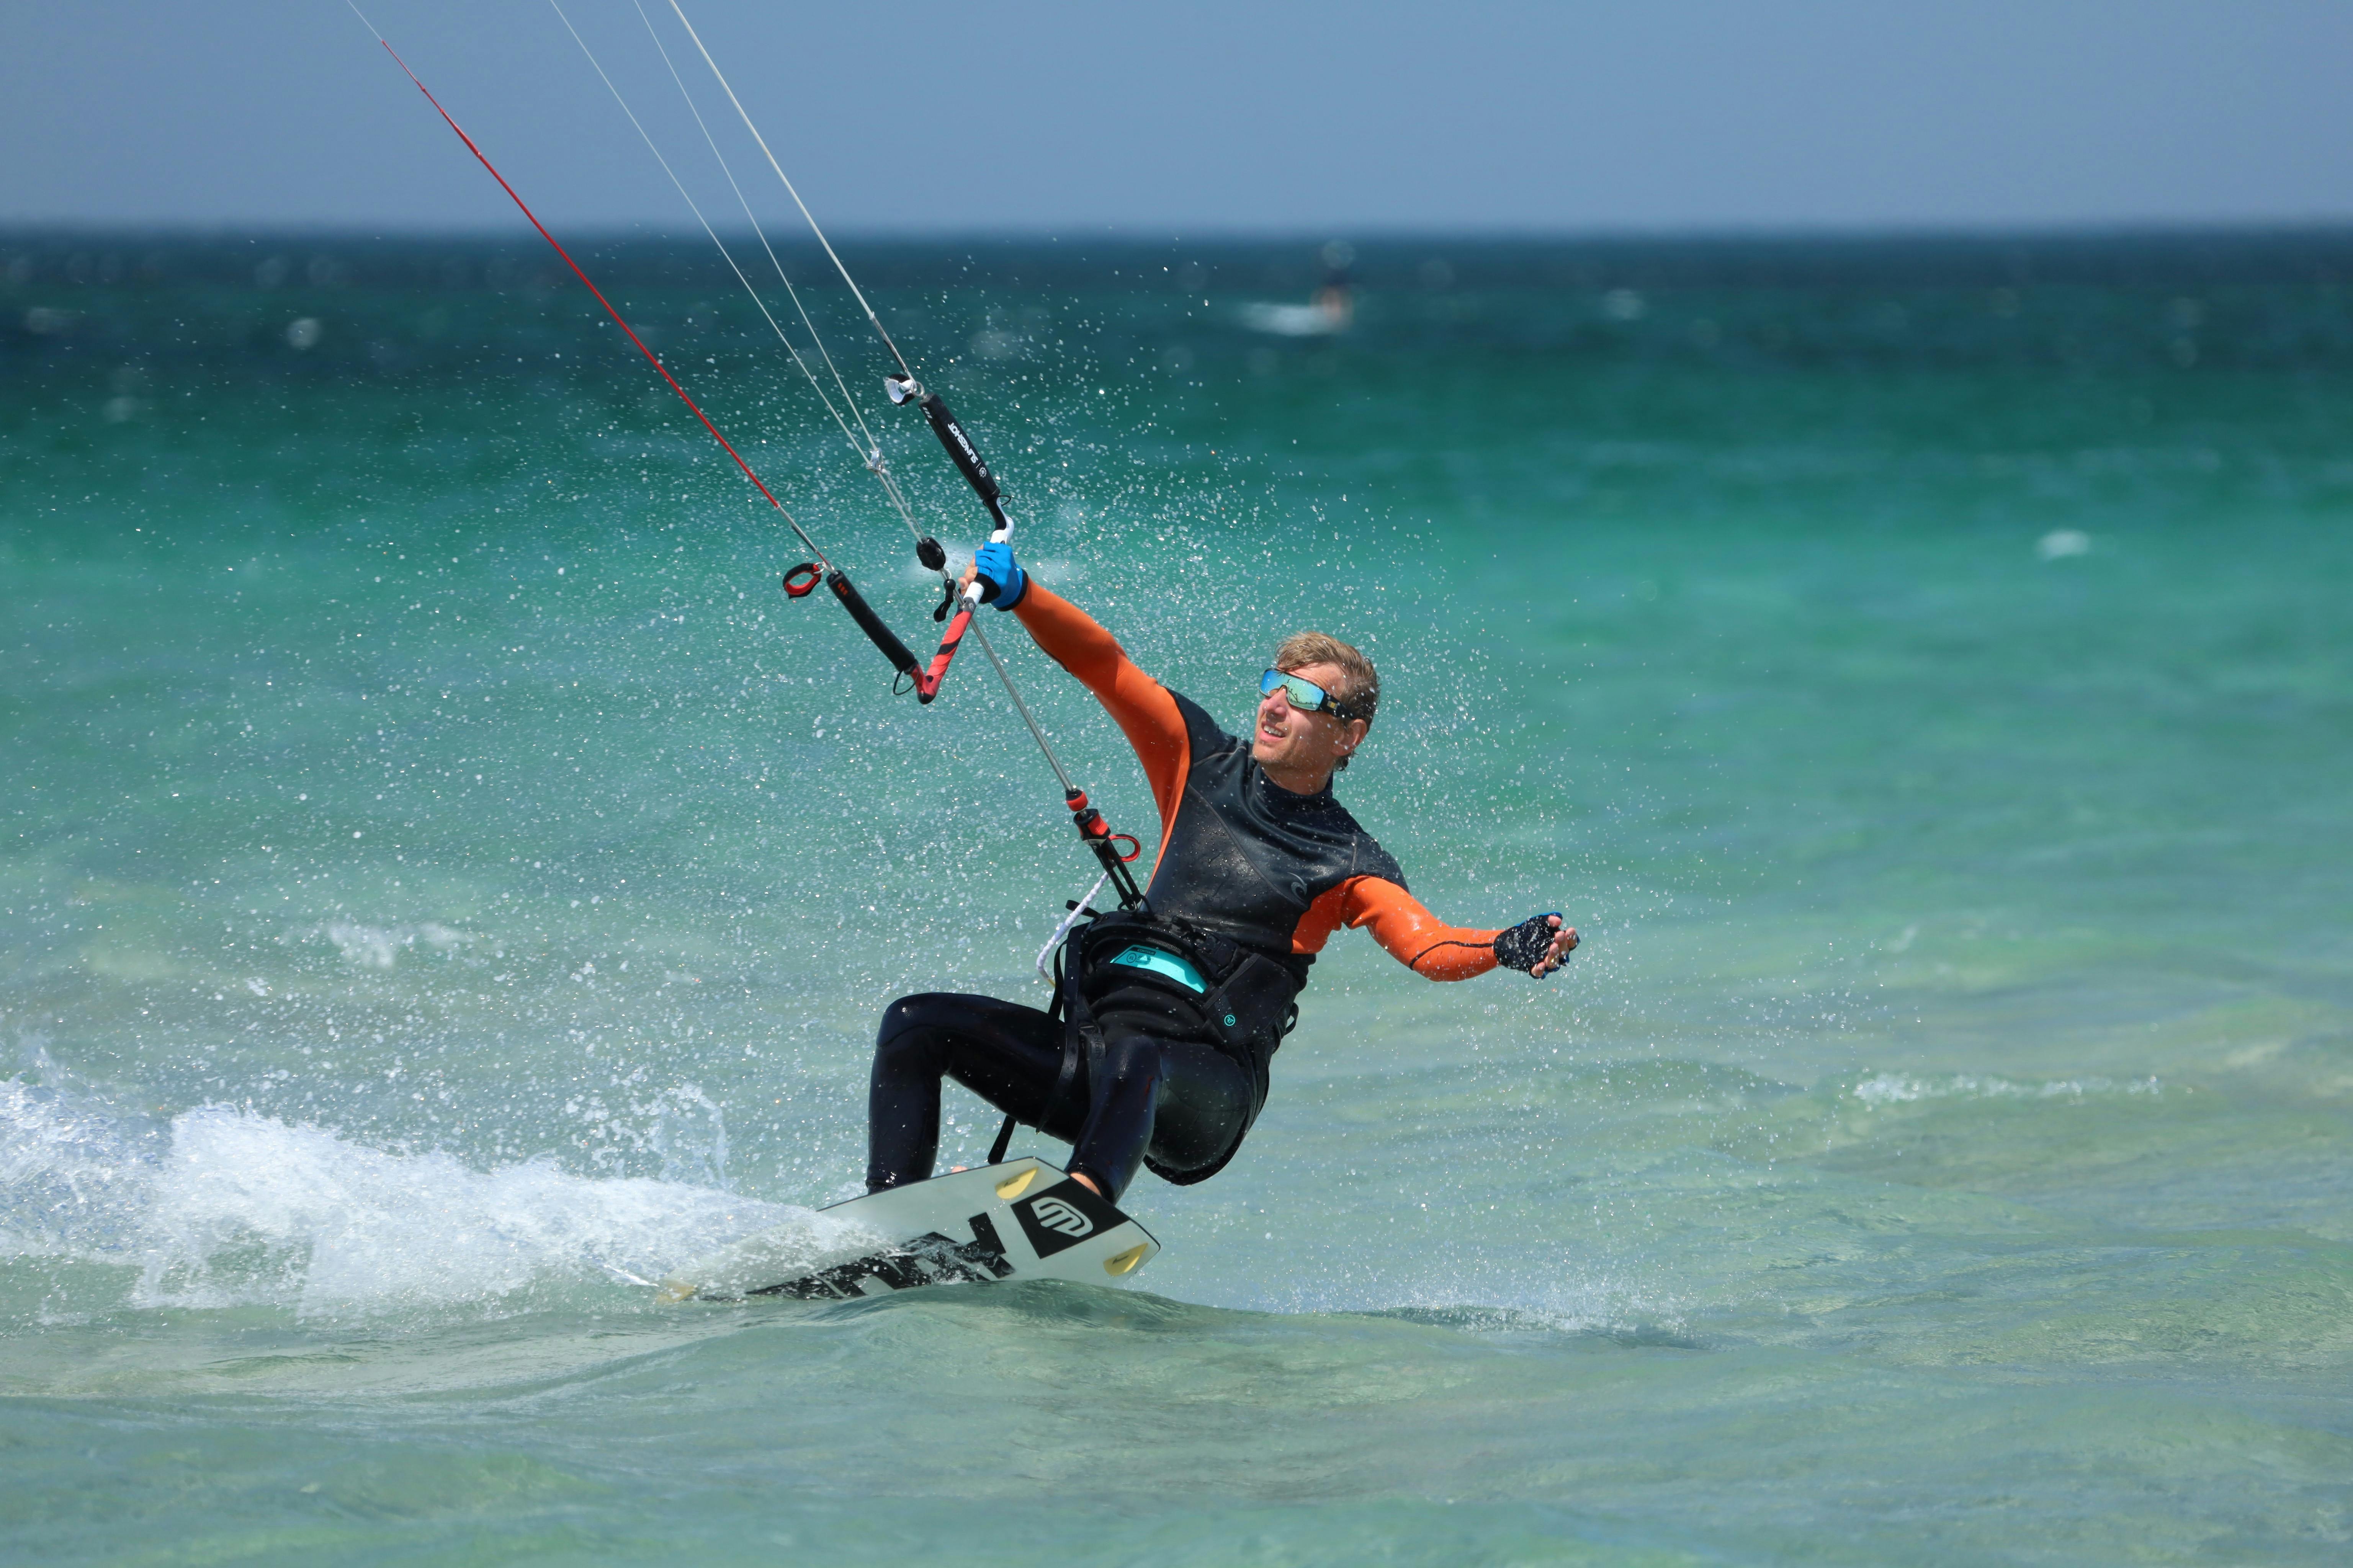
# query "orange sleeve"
(1141, 706)
(1406, 931)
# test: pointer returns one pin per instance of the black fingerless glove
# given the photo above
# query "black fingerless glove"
(1523, 947)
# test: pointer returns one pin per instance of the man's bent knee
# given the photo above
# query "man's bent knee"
(909, 1034)
(907, 1013)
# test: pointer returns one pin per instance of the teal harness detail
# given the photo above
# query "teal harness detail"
(1165, 963)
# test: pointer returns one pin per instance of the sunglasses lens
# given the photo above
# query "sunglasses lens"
(1303, 695)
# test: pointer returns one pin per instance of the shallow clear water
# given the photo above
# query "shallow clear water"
(441, 870)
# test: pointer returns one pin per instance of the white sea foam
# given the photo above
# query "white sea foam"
(223, 1206)
(1897, 1089)
(380, 947)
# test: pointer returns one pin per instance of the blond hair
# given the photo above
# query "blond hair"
(1360, 687)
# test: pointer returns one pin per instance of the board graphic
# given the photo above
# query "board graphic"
(1021, 1220)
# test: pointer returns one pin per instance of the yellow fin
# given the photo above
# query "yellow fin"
(1123, 1262)
(1014, 1186)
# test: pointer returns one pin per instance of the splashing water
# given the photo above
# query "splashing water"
(226, 1207)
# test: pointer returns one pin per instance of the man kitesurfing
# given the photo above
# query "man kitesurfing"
(1172, 1011)
(1169, 1009)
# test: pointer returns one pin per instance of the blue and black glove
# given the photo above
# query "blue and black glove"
(1524, 945)
(1002, 581)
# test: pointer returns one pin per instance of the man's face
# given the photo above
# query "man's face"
(1302, 745)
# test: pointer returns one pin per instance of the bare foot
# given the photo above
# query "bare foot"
(1087, 1181)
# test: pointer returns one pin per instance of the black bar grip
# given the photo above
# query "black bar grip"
(870, 623)
(963, 454)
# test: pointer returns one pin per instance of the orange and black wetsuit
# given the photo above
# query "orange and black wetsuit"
(1250, 881)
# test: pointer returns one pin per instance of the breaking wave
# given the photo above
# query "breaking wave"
(221, 1206)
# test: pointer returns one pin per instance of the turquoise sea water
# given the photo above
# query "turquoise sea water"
(440, 865)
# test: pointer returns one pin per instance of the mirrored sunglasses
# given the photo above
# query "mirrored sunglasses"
(1304, 695)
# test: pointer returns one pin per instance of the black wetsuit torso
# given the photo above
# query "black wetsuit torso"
(1246, 857)
(1174, 1078)
(1245, 860)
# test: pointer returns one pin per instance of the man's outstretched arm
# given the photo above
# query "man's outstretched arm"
(1421, 942)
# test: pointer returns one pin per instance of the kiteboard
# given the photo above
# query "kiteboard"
(1023, 1219)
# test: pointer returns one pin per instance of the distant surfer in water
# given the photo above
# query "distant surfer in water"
(1169, 1015)
(1334, 299)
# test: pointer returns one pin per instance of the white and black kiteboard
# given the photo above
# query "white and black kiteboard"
(1021, 1220)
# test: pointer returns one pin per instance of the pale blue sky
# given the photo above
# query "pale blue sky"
(1217, 116)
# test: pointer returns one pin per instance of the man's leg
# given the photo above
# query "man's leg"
(1122, 1098)
(1007, 1054)
(1182, 1101)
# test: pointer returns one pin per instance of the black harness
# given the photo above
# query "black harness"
(1246, 1008)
